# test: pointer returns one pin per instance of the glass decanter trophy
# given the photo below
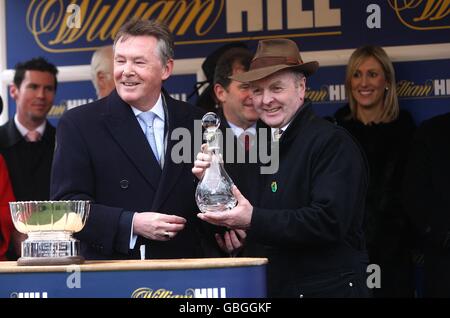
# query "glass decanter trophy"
(214, 191)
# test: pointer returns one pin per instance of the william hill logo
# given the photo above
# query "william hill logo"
(405, 89)
(145, 292)
(99, 20)
(430, 88)
(422, 14)
(81, 25)
(411, 89)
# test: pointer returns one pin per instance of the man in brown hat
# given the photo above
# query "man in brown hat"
(309, 215)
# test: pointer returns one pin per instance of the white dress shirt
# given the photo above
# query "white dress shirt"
(24, 131)
(158, 131)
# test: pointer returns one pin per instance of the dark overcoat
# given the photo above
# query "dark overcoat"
(310, 213)
(102, 155)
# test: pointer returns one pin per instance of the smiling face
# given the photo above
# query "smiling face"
(278, 97)
(34, 97)
(368, 84)
(138, 70)
(236, 101)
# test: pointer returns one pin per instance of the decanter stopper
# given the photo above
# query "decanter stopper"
(211, 123)
(214, 191)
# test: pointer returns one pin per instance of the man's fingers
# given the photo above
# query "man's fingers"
(235, 241)
(238, 195)
(172, 219)
(228, 242)
(242, 234)
(201, 164)
(216, 218)
(220, 242)
(172, 227)
(203, 157)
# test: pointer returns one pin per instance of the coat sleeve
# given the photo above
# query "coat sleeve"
(337, 189)
(107, 229)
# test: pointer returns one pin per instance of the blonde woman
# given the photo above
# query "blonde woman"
(384, 131)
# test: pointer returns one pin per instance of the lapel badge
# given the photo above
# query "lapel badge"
(274, 186)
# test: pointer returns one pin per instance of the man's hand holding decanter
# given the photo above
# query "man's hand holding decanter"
(232, 240)
(239, 217)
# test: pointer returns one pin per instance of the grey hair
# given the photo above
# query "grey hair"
(102, 61)
(155, 28)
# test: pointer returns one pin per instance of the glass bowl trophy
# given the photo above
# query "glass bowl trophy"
(214, 191)
(50, 225)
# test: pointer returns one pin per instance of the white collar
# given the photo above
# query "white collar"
(24, 131)
(282, 128)
(158, 109)
(238, 130)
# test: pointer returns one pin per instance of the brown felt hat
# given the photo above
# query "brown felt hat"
(274, 55)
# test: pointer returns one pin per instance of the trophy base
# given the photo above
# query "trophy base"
(49, 261)
(51, 248)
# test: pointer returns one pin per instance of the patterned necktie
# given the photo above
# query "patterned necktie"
(277, 134)
(33, 136)
(147, 118)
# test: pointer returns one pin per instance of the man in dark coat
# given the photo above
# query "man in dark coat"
(111, 153)
(238, 119)
(309, 216)
(27, 141)
(237, 113)
(427, 200)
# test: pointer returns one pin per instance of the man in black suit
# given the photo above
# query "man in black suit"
(426, 197)
(237, 113)
(309, 215)
(118, 152)
(238, 126)
(27, 141)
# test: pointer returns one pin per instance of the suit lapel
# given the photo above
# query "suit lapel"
(13, 134)
(126, 131)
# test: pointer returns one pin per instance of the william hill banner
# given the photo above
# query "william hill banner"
(62, 29)
(68, 31)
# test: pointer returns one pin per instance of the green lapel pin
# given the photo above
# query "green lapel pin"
(274, 186)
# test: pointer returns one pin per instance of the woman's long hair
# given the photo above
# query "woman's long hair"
(390, 109)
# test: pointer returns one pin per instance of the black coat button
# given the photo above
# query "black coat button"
(124, 184)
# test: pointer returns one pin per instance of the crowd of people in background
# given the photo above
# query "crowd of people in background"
(364, 186)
